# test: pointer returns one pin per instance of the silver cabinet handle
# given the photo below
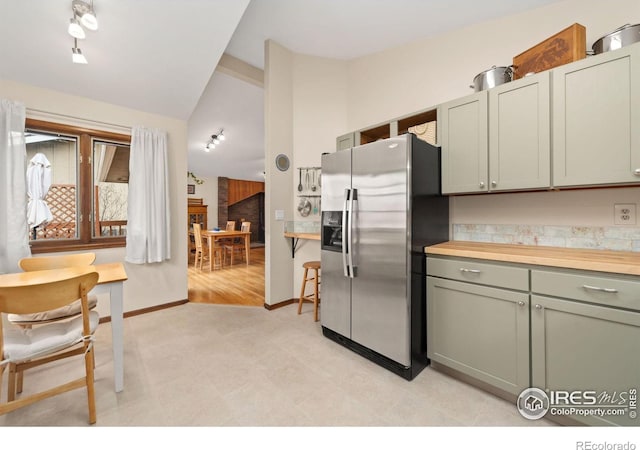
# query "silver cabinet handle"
(538, 306)
(599, 289)
(636, 172)
(462, 269)
(482, 184)
(520, 303)
(494, 183)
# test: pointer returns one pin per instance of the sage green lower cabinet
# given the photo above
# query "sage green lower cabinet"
(480, 331)
(578, 346)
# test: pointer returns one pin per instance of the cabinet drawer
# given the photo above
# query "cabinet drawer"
(615, 292)
(479, 272)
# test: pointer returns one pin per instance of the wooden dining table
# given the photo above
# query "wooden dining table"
(213, 236)
(110, 280)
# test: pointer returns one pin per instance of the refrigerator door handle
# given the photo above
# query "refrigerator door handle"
(352, 269)
(345, 236)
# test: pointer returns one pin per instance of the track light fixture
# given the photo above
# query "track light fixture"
(84, 10)
(76, 54)
(214, 140)
(83, 16)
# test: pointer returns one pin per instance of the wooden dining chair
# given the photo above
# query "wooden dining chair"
(49, 263)
(22, 349)
(237, 245)
(65, 312)
(202, 253)
(231, 226)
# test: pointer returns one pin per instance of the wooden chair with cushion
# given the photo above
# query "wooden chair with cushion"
(49, 263)
(63, 313)
(22, 349)
(237, 245)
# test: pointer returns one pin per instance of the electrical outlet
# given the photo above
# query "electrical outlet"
(624, 214)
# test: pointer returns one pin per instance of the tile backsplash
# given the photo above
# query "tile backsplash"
(593, 237)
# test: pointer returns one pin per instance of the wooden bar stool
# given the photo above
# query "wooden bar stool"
(314, 296)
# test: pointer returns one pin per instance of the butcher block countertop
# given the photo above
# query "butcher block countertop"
(570, 258)
(311, 236)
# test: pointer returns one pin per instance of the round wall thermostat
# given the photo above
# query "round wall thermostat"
(282, 162)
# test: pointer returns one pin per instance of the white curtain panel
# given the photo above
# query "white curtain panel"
(14, 233)
(148, 230)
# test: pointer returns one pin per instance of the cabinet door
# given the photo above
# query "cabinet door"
(596, 117)
(346, 141)
(578, 346)
(519, 134)
(480, 331)
(463, 124)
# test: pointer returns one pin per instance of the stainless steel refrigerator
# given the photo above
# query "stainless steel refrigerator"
(381, 205)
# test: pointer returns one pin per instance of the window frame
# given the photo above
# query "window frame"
(84, 161)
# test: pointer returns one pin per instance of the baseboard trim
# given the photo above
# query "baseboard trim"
(137, 312)
(280, 304)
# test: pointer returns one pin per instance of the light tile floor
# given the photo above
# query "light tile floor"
(215, 365)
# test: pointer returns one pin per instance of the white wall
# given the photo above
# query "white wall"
(428, 72)
(208, 192)
(150, 284)
(320, 112)
(425, 73)
(278, 127)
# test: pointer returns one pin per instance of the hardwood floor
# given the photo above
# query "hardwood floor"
(232, 285)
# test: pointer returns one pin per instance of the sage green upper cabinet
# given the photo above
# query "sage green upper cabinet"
(519, 134)
(463, 134)
(345, 141)
(498, 140)
(596, 120)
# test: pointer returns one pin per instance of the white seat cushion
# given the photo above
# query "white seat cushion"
(70, 310)
(25, 344)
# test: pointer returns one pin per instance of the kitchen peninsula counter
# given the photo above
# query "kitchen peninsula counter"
(571, 258)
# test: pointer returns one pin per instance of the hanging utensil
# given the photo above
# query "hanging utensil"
(300, 182)
(304, 208)
(306, 180)
(313, 186)
(315, 206)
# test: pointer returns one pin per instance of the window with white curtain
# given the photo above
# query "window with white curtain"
(89, 186)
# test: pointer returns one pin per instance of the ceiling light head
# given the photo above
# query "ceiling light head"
(76, 54)
(86, 13)
(210, 146)
(221, 136)
(215, 139)
(75, 29)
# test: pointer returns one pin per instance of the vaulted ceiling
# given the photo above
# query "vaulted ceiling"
(159, 55)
